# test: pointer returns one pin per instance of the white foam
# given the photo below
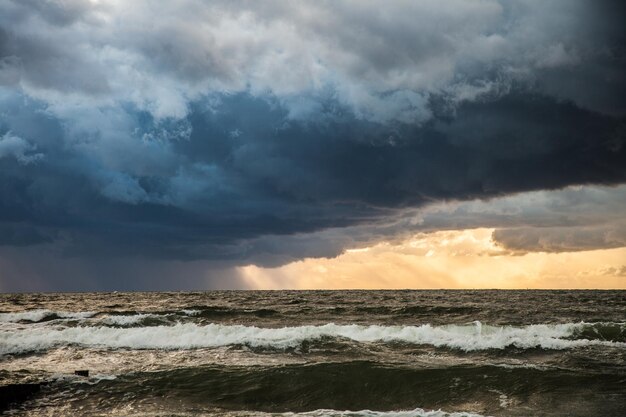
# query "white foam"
(189, 336)
(38, 315)
(126, 320)
(418, 412)
(191, 312)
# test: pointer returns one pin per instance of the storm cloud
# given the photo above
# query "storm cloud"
(236, 132)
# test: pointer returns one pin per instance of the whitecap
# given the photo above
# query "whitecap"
(418, 412)
(190, 312)
(189, 336)
(126, 320)
(39, 315)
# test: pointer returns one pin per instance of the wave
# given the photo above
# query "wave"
(472, 337)
(418, 412)
(115, 318)
(213, 312)
(440, 310)
(190, 312)
(36, 316)
(356, 385)
(615, 332)
(128, 320)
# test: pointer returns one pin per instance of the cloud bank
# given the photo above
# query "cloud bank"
(236, 132)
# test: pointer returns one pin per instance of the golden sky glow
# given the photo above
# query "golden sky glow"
(446, 259)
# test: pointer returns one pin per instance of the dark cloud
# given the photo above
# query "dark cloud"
(52, 272)
(16, 234)
(280, 176)
(231, 133)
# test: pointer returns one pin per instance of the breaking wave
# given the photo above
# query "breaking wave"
(471, 337)
(128, 320)
(36, 316)
(418, 412)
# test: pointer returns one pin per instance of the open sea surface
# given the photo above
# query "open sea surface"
(314, 353)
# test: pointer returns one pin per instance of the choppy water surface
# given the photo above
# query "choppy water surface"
(316, 353)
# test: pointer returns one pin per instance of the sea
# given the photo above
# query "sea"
(314, 353)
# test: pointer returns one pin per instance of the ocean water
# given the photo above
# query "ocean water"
(314, 353)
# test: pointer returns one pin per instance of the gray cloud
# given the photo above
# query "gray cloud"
(237, 132)
(383, 64)
(563, 239)
(18, 148)
(571, 219)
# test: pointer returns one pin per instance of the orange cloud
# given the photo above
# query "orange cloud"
(446, 259)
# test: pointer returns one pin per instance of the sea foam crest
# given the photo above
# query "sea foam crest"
(189, 336)
(127, 319)
(418, 412)
(39, 315)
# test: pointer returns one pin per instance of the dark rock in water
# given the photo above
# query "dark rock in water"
(83, 372)
(16, 393)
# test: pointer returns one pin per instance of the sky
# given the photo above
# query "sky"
(189, 144)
